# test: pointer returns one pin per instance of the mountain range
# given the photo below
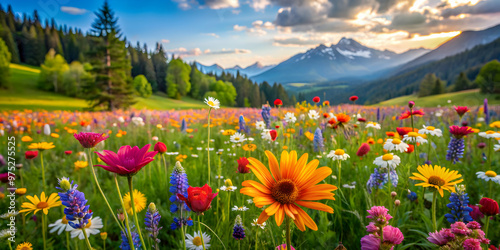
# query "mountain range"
(249, 71)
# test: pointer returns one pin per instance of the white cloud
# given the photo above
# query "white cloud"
(73, 10)
(212, 34)
(212, 4)
(183, 52)
(259, 27)
(165, 40)
(259, 5)
(239, 28)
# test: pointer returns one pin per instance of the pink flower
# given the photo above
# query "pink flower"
(472, 244)
(370, 242)
(393, 235)
(476, 213)
(283, 246)
(408, 114)
(459, 132)
(437, 238)
(447, 234)
(473, 225)
(371, 228)
(461, 110)
(128, 160)
(89, 139)
(377, 212)
(363, 149)
(460, 228)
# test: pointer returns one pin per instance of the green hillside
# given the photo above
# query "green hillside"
(463, 98)
(23, 94)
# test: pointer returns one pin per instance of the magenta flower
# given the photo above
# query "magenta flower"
(370, 242)
(128, 161)
(459, 132)
(89, 139)
(392, 235)
(461, 110)
(473, 225)
(472, 244)
(476, 213)
(371, 228)
(379, 213)
(437, 238)
(460, 228)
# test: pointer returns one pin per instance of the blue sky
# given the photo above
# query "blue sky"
(230, 32)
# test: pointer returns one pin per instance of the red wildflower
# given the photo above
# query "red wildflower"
(489, 207)
(274, 134)
(68, 152)
(242, 165)
(363, 150)
(361, 119)
(4, 177)
(410, 149)
(326, 103)
(199, 199)
(461, 110)
(353, 98)
(390, 134)
(407, 114)
(343, 118)
(459, 132)
(277, 126)
(128, 161)
(325, 115)
(405, 130)
(316, 99)
(160, 147)
(31, 154)
(89, 139)
(278, 102)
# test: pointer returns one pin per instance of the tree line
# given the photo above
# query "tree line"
(104, 68)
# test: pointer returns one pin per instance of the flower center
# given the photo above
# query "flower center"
(396, 141)
(42, 205)
(490, 173)
(387, 157)
(64, 220)
(339, 152)
(88, 224)
(436, 180)
(211, 104)
(285, 191)
(197, 241)
(431, 128)
(413, 134)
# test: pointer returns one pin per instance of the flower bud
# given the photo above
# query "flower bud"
(20, 191)
(121, 216)
(397, 203)
(411, 104)
(104, 235)
(228, 182)
(393, 194)
(152, 207)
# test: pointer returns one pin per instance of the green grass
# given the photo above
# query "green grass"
(23, 94)
(462, 98)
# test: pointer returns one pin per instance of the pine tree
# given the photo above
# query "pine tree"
(4, 64)
(112, 87)
(159, 59)
(462, 82)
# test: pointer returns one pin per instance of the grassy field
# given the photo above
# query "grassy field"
(462, 98)
(23, 94)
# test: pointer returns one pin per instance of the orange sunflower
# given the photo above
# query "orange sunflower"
(289, 184)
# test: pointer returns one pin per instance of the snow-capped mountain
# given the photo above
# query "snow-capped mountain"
(346, 59)
(249, 71)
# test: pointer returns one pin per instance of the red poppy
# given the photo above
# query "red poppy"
(405, 130)
(407, 114)
(461, 110)
(325, 115)
(160, 147)
(278, 102)
(277, 126)
(410, 149)
(363, 150)
(343, 118)
(242, 165)
(199, 199)
(326, 103)
(390, 134)
(68, 152)
(316, 99)
(30, 154)
(459, 132)
(353, 98)
(489, 207)
(274, 134)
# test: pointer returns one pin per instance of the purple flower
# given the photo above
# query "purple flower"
(238, 230)
(370, 242)
(152, 221)
(77, 212)
(89, 139)
(128, 161)
(437, 238)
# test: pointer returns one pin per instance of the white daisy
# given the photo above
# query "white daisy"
(313, 114)
(489, 176)
(255, 224)
(237, 137)
(195, 242)
(387, 161)
(60, 226)
(250, 201)
(489, 134)
(290, 117)
(9, 214)
(266, 135)
(338, 154)
(395, 145)
(138, 121)
(219, 177)
(228, 188)
(496, 147)
(414, 137)
(242, 208)
(260, 125)
(349, 186)
(91, 228)
(212, 102)
(373, 125)
(430, 130)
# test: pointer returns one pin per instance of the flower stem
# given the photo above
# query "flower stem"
(43, 170)
(201, 234)
(486, 227)
(182, 229)
(389, 183)
(288, 238)
(128, 232)
(43, 231)
(100, 190)
(208, 145)
(489, 154)
(340, 168)
(86, 239)
(132, 204)
(434, 224)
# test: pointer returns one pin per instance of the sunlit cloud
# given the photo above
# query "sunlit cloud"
(73, 10)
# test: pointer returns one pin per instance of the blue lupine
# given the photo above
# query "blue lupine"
(179, 182)
(238, 230)
(77, 212)
(455, 149)
(135, 239)
(318, 140)
(486, 113)
(183, 126)
(459, 205)
(378, 114)
(378, 180)
(243, 125)
(266, 115)
(412, 195)
(152, 221)
(177, 223)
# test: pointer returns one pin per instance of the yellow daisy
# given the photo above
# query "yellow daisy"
(43, 203)
(80, 164)
(40, 146)
(26, 139)
(139, 201)
(24, 246)
(438, 177)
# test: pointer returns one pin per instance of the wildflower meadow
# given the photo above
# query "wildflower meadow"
(312, 176)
